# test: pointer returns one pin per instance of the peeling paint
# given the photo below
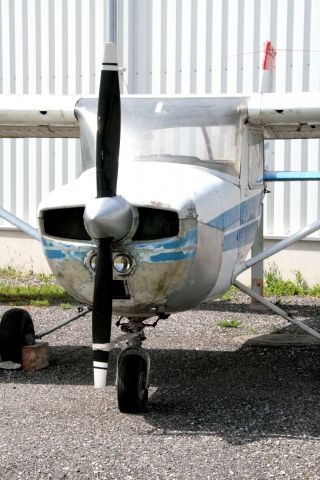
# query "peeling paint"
(169, 250)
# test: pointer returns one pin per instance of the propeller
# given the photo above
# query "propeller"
(107, 218)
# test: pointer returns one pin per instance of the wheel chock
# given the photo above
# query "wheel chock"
(35, 357)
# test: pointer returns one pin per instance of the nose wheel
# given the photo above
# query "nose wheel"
(133, 380)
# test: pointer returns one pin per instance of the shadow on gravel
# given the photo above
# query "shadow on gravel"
(304, 311)
(242, 396)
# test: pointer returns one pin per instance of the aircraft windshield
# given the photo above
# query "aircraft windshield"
(197, 131)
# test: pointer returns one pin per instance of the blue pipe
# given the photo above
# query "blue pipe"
(288, 176)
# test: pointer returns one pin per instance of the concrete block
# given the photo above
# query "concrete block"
(35, 357)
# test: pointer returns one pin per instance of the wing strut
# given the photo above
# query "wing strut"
(17, 222)
(295, 237)
(266, 254)
(279, 311)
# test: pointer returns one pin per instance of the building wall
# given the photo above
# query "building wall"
(216, 46)
(46, 47)
(165, 46)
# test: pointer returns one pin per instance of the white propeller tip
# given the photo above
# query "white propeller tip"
(100, 376)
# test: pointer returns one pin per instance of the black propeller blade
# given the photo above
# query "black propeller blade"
(107, 155)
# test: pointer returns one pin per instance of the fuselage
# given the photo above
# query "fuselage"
(214, 230)
(189, 175)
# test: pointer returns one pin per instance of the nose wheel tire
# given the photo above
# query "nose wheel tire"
(132, 381)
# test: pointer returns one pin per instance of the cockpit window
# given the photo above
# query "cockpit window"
(190, 131)
(213, 147)
(201, 131)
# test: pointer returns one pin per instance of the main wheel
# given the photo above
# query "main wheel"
(16, 330)
(132, 386)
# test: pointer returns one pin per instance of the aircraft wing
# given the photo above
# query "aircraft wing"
(42, 116)
(282, 115)
(286, 115)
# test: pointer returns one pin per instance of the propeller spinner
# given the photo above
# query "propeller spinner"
(109, 217)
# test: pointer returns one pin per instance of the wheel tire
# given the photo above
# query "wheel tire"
(131, 384)
(16, 330)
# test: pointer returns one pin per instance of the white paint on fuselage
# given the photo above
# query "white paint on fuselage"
(190, 191)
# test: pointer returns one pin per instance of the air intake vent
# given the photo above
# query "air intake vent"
(120, 290)
(65, 223)
(155, 224)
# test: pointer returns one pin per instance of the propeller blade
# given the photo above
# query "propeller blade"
(107, 155)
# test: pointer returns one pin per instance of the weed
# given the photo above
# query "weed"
(18, 303)
(252, 331)
(229, 323)
(65, 306)
(10, 273)
(39, 303)
(229, 294)
(315, 290)
(277, 286)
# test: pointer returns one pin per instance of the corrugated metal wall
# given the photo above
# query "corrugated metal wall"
(46, 46)
(166, 46)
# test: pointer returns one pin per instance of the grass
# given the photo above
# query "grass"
(229, 294)
(39, 303)
(10, 273)
(275, 285)
(65, 306)
(35, 289)
(229, 323)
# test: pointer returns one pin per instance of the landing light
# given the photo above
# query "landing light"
(90, 260)
(123, 264)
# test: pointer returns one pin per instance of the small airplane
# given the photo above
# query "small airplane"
(164, 219)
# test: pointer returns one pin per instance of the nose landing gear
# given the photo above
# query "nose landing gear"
(133, 380)
(133, 372)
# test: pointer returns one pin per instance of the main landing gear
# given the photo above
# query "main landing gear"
(133, 370)
(16, 331)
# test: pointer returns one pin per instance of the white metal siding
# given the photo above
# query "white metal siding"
(216, 46)
(46, 46)
(166, 46)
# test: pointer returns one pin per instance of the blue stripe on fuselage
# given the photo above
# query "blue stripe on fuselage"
(245, 216)
(170, 250)
(241, 213)
(240, 237)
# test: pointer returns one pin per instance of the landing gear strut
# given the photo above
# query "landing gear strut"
(133, 372)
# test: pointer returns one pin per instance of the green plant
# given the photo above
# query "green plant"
(10, 273)
(229, 323)
(251, 331)
(65, 306)
(12, 293)
(277, 286)
(229, 294)
(39, 303)
(315, 290)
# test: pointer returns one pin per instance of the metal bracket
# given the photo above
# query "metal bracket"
(81, 313)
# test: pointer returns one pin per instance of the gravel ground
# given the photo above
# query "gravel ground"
(219, 408)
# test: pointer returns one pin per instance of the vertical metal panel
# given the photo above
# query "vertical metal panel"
(46, 46)
(216, 46)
